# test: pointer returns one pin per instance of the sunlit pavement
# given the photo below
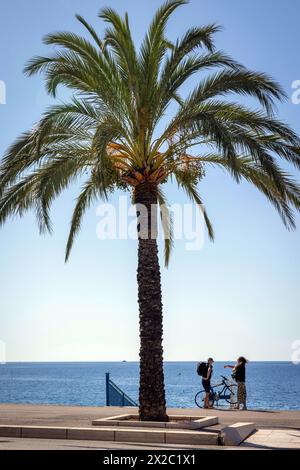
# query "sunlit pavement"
(82, 416)
(277, 429)
(264, 439)
(274, 439)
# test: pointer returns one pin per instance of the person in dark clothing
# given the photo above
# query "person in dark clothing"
(239, 374)
(206, 381)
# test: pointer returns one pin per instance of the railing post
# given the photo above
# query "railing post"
(114, 395)
(107, 388)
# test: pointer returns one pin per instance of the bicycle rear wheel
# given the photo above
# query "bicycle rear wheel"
(231, 398)
(200, 397)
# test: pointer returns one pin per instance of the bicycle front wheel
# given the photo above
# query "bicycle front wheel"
(200, 397)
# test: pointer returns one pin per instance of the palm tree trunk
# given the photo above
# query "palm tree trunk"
(152, 390)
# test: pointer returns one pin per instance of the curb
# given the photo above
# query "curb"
(112, 434)
(236, 433)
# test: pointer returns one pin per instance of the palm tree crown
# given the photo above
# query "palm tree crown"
(121, 95)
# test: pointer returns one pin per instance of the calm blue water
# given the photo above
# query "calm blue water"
(271, 385)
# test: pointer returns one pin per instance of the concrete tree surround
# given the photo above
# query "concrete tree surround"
(175, 422)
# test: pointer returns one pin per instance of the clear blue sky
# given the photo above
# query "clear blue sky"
(239, 295)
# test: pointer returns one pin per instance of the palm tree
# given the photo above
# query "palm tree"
(110, 133)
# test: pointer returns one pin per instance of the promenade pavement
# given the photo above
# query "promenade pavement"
(82, 416)
(276, 429)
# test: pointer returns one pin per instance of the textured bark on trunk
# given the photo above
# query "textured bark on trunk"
(152, 390)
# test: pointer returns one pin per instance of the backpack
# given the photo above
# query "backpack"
(202, 369)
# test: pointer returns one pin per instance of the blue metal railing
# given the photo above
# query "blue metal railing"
(115, 396)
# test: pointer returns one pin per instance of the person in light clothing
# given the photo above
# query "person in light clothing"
(239, 374)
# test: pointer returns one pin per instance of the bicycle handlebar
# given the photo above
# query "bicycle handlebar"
(225, 378)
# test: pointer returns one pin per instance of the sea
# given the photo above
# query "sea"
(270, 385)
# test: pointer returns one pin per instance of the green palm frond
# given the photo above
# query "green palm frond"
(91, 30)
(243, 82)
(83, 202)
(190, 189)
(255, 174)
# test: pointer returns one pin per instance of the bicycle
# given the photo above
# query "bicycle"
(228, 393)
